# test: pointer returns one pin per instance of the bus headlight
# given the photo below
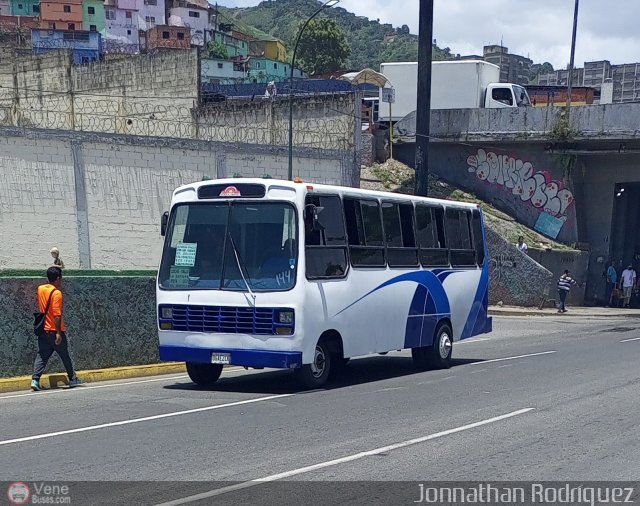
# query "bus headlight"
(166, 313)
(285, 317)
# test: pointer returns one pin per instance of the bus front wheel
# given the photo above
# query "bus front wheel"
(204, 375)
(316, 374)
(438, 355)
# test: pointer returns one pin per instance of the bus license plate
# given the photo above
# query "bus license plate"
(220, 358)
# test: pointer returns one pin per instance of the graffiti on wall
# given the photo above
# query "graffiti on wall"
(535, 187)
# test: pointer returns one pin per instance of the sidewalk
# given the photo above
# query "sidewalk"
(582, 312)
(54, 380)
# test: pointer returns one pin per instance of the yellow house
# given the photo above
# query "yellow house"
(272, 49)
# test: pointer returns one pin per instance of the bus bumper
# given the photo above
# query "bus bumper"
(245, 358)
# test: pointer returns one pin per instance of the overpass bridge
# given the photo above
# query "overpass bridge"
(576, 180)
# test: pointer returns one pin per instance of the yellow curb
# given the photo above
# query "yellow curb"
(92, 375)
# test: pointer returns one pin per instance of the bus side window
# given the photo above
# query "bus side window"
(365, 232)
(399, 235)
(478, 237)
(458, 228)
(326, 246)
(431, 236)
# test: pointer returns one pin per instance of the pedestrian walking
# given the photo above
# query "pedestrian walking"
(612, 281)
(54, 338)
(57, 261)
(564, 286)
(627, 284)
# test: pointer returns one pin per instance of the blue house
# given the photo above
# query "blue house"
(86, 46)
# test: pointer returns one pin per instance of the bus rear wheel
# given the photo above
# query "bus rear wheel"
(438, 355)
(204, 375)
(316, 374)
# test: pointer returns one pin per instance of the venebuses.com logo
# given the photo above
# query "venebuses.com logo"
(18, 493)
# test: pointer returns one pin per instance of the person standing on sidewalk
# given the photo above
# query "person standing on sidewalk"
(564, 286)
(50, 300)
(612, 281)
(627, 283)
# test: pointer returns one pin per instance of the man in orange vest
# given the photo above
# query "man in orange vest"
(54, 338)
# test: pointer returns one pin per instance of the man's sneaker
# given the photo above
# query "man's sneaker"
(35, 386)
(75, 382)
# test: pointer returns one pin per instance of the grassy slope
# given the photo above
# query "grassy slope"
(396, 177)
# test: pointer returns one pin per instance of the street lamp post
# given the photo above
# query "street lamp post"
(329, 3)
(571, 60)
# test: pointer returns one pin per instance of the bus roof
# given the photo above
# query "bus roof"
(323, 188)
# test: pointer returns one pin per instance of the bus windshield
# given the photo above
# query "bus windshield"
(244, 246)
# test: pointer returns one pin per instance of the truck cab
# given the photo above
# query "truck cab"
(500, 95)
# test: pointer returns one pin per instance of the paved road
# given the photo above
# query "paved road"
(540, 398)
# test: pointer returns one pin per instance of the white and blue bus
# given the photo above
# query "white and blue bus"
(278, 274)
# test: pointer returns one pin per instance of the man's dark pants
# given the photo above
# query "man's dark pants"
(608, 293)
(46, 346)
(563, 299)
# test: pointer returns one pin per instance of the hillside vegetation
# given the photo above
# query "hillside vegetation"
(371, 42)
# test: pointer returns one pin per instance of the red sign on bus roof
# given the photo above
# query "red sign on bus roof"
(230, 191)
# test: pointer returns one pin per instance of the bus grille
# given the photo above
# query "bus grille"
(224, 319)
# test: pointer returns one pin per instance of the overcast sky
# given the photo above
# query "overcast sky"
(540, 29)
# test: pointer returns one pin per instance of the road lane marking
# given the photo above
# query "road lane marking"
(342, 460)
(140, 420)
(91, 386)
(633, 339)
(476, 340)
(482, 362)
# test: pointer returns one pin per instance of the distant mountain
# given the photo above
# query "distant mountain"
(371, 41)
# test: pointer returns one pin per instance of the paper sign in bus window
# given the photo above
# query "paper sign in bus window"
(186, 254)
(179, 277)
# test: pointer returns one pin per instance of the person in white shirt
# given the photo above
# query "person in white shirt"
(627, 282)
(522, 246)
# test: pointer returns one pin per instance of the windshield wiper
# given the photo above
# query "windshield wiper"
(239, 263)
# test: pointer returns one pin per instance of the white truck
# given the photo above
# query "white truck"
(463, 84)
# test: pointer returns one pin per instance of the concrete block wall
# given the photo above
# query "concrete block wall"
(37, 202)
(100, 198)
(170, 74)
(128, 187)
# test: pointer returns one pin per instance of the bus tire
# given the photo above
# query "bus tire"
(438, 355)
(316, 374)
(441, 351)
(204, 375)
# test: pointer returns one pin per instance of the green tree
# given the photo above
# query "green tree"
(217, 50)
(323, 47)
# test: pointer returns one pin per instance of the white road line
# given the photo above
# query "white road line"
(342, 460)
(482, 362)
(476, 340)
(139, 420)
(627, 340)
(91, 386)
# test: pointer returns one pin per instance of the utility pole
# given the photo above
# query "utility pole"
(423, 109)
(573, 53)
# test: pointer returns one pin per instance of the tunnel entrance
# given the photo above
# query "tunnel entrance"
(625, 233)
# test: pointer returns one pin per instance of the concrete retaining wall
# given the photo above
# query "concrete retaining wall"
(556, 262)
(515, 278)
(110, 322)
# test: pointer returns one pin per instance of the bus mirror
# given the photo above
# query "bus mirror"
(163, 223)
